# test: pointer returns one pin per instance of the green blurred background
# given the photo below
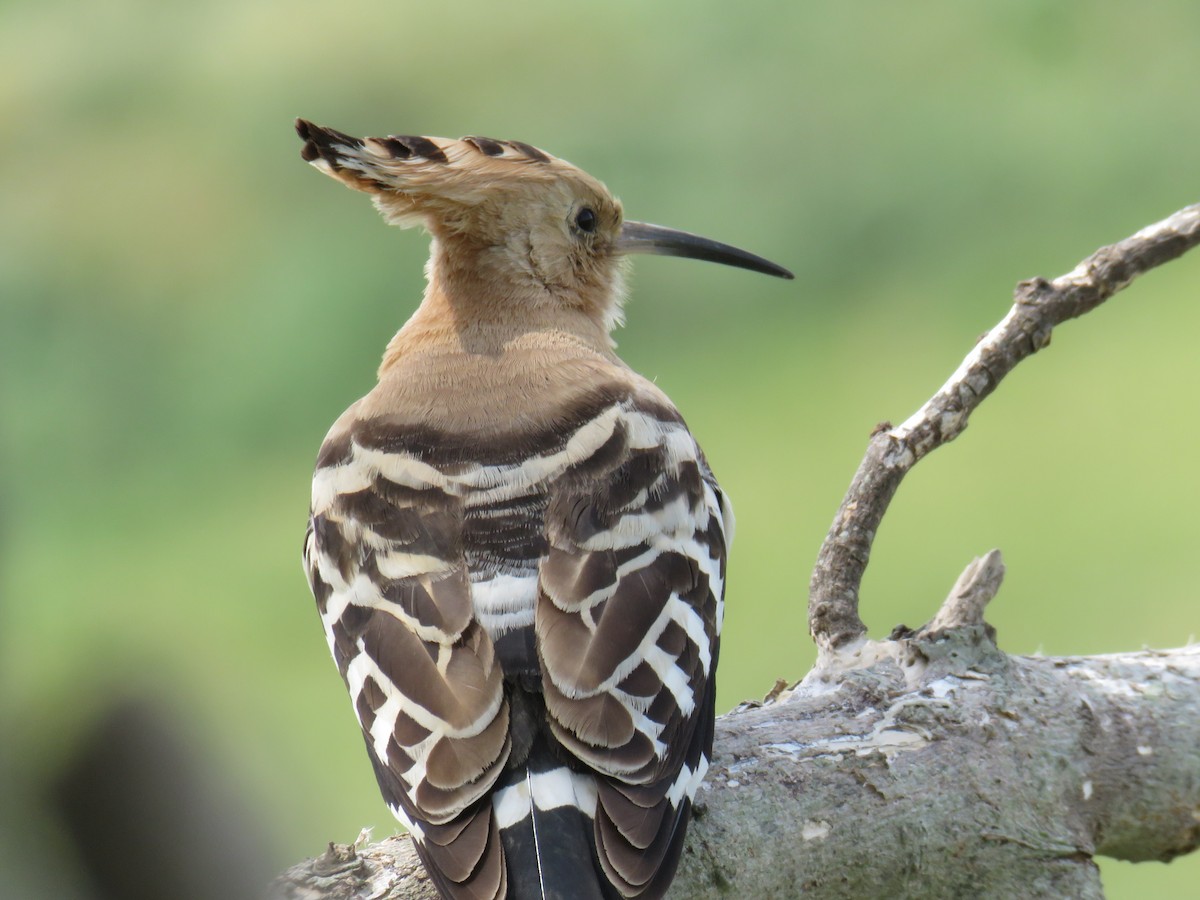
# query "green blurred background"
(186, 307)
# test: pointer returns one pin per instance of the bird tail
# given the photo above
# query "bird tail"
(546, 816)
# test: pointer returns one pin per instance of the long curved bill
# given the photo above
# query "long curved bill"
(639, 237)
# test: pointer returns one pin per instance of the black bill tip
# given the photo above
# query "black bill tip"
(640, 237)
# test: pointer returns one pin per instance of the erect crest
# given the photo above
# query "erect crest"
(434, 178)
(329, 144)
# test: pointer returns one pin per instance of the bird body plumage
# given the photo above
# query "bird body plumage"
(516, 547)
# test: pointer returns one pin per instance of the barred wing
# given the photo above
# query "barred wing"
(384, 559)
(455, 577)
(628, 623)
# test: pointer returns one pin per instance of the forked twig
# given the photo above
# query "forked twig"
(1039, 306)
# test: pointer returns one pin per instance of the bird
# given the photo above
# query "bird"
(516, 546)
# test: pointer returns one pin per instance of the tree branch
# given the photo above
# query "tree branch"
(1040, 305)
(942, 768)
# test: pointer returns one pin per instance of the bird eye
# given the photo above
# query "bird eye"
(585, 220)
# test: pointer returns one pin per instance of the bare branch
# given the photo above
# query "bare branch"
(1039, 305)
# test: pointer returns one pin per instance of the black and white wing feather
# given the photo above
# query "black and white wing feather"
(385, 561)
(628, 626)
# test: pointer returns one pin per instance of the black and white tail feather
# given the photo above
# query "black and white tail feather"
(546, 813)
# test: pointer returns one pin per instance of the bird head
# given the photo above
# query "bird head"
(511, 223)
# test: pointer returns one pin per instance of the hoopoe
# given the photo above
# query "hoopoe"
(516, 547)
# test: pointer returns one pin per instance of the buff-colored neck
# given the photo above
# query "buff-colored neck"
(484, 302)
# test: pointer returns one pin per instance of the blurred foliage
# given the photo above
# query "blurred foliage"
(186, 307)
